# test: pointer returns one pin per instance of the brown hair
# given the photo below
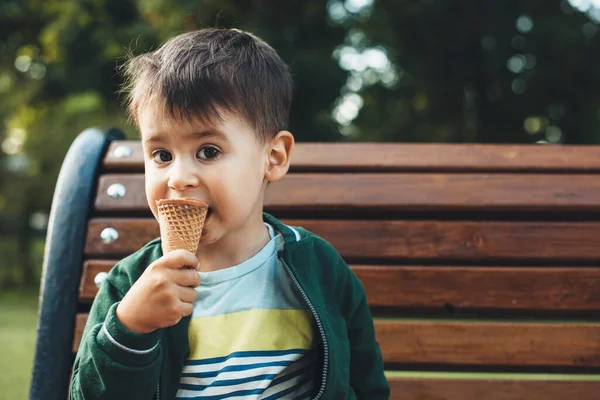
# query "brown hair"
(197, 74)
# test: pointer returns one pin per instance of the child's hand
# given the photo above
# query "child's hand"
(163, 295)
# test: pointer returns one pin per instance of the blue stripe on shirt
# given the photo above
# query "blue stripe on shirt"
(243, 354)
(233, 368)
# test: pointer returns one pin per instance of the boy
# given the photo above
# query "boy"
(262, 310)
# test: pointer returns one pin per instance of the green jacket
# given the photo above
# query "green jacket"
(115, 363)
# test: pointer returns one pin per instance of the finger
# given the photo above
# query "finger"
(185, 308)
(177, 259)
(187, 295)
(185, 277)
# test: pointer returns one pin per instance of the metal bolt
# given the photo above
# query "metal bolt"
(116, 190)
(100, 278)
(109, 235)
(122, 151)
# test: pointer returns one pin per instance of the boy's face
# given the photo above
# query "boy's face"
(223, 165)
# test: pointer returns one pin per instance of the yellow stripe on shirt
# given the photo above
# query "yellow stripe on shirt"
(258, 329)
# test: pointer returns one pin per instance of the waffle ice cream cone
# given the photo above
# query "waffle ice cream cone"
(181, 222)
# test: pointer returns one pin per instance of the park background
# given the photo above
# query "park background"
(470, 71)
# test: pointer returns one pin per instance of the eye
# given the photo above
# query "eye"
(161, 156)
(208, 153)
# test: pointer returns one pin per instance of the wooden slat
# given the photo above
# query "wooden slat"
(461, 287)
(133, 234)
(405, 240)
(396, 157)
(386, 193)
(489, 343)
(516, 288)
(91, 268)
(478, 343)
(492, 389)
(135, 195)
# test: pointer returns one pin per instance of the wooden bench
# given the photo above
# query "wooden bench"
(480, 262)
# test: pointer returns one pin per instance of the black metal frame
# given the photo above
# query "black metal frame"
(65, 241)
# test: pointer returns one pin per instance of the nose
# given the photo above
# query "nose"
(182, 176)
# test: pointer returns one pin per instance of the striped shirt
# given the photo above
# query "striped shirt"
(251, 335)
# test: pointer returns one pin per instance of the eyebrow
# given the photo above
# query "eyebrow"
(210, 133)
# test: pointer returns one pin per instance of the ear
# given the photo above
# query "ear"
(280, 151)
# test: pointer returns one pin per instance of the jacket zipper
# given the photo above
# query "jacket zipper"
(319, 324)
(158, 390)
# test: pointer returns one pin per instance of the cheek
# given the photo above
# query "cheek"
(239, 193)
(250, 182)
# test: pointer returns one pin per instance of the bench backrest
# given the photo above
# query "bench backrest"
(480, 262)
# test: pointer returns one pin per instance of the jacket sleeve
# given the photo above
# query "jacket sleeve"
(367, 377)
(113, 362)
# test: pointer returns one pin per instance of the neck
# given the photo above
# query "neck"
(234, 248)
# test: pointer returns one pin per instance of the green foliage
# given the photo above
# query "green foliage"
(11, 273)
(455, 79)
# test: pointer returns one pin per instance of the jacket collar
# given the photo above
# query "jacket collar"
(290, 234)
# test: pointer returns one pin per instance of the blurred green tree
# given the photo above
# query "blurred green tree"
(463, 71)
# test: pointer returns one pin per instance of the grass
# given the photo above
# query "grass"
(18, 319)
